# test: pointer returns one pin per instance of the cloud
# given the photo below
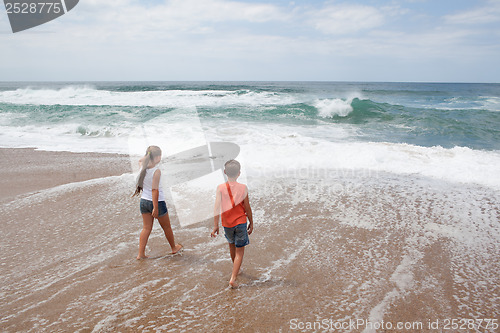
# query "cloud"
(181, 15)
(221, 10)
(483, 15)
(345, 19)
(203, 39)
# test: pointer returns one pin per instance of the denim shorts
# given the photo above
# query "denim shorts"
(237, 235)
(146, 207)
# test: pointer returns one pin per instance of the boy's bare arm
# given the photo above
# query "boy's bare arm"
(215, 231)
(248, 210)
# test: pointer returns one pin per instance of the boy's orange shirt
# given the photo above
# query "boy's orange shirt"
(230, 216)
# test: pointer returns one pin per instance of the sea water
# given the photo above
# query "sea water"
(442, 130)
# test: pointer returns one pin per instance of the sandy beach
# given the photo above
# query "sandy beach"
(29, 170)
(389, 249)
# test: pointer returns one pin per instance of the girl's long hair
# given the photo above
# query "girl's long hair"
(151, 153)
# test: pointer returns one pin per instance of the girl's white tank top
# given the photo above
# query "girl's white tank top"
(147, 192)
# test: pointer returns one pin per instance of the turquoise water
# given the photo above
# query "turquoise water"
(441, 130)
(423, 114)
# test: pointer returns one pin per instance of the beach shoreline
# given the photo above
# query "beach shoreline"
(25, 170)
(392, 248)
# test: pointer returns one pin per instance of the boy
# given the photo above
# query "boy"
(232, 200)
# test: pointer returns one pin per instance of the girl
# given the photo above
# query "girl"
(152, 201)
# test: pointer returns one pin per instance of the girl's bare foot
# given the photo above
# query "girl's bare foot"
(139, 257)
(233, 284)
(177, 248)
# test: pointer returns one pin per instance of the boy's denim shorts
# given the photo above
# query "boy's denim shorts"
(237, 235)
(146, 207)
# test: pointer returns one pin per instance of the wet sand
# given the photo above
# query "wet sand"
(397, 249)
(27, 170)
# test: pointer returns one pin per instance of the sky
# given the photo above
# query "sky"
(251, 40)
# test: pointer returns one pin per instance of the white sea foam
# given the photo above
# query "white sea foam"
(269, 148)
(87, 95)
(65, 137)
(491, 103)
(280, 263)
(328, 108)
(265, 147)
(272, 151)
(8, 117)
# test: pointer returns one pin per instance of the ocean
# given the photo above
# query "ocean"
(442, 130)
(372, 201)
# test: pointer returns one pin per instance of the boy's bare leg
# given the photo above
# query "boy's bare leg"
(169, 234)
(232, 251)
(147, 226)
(238, 259)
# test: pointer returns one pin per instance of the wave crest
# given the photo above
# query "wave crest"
(89, 95)
(328, 108)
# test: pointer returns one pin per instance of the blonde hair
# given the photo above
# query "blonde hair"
(151, 153)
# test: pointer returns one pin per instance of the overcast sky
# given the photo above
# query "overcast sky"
(248, 40)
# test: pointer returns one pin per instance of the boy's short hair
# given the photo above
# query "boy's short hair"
(232, 168)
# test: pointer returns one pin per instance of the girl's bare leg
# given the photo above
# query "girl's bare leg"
(169, 234)
(147, 226)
